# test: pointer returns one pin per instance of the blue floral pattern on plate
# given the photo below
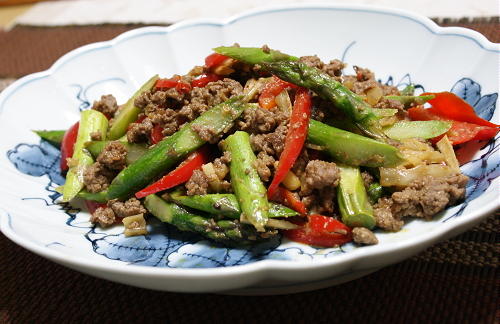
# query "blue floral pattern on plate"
(165, 246)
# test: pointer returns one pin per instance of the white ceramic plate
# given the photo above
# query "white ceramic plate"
(399, 46)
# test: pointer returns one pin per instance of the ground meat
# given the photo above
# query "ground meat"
(259, 120)
(214, 93)
(368, 179)
(318, 175)
(362, 86)
(312, 61)
(389, 103)
(113, 156)
(221, 167)
(97, 177)
(197, 184)
(334, 68)
(207, 133)
(363, 74)
(107, 105)
(263, 166)
(271, 143)
(104, 216)
(320, 201)
(299, 167)
(362, 235)
(165, 98)
(139, 132)
(128, 208)
(384, 217)
(423, 198)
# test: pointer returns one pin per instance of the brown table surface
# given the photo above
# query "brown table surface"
(455, 281)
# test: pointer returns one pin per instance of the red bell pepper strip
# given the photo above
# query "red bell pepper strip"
(321, 231)
(205, 79)
(179, 175)
(68, 145)
(460, 132)
(289, 199)
(271, 90)
(156, 134)
(295, 138)
(175, 82)
(162, 84)
(450, 106)
(214, 60)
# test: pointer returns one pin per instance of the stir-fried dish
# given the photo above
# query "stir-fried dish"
(256, 143)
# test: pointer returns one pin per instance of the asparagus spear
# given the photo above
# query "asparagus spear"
(288, 69)
(91, 121)
(230, 232)
(52, 136)
(375, 191)
(254, 55)
(350, 148)
(129, 112)
(134, 151)
(409, 101)
(245, 180)
(225, 205)
(352, 199)
(172, 149)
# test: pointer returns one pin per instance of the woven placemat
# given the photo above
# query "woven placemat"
(452, 282)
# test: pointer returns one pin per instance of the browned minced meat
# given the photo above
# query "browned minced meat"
(365, 80)
(263, 165)
(207, 133)
(104, 216)
(367, 179)
(127, 208)
(423, 198)
(221, 165)
(107, 105)
(214, 93)
(320, 201)
(97, 177)
(258, 120)
(318, 175)
(167, 118)
(95, 136)
(113, 156)
(271, 143)
(334, 68)
(389, 103)
(139, 132)
(197, 184)
(362, 235)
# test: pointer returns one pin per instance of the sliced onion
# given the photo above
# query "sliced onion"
(373, 95)
(283, 102)
(401, 177)
(445, 146)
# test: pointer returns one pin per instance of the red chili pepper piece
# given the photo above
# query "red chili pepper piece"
(183, 87)
(179, 175)
(289, 199)
(460, 132)
(271, 90)
(68, 145)
(450, 106)
(205, 79)
(156, 134)
(321, 231)
(295, 138)
(167, 83)
(214, 59)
